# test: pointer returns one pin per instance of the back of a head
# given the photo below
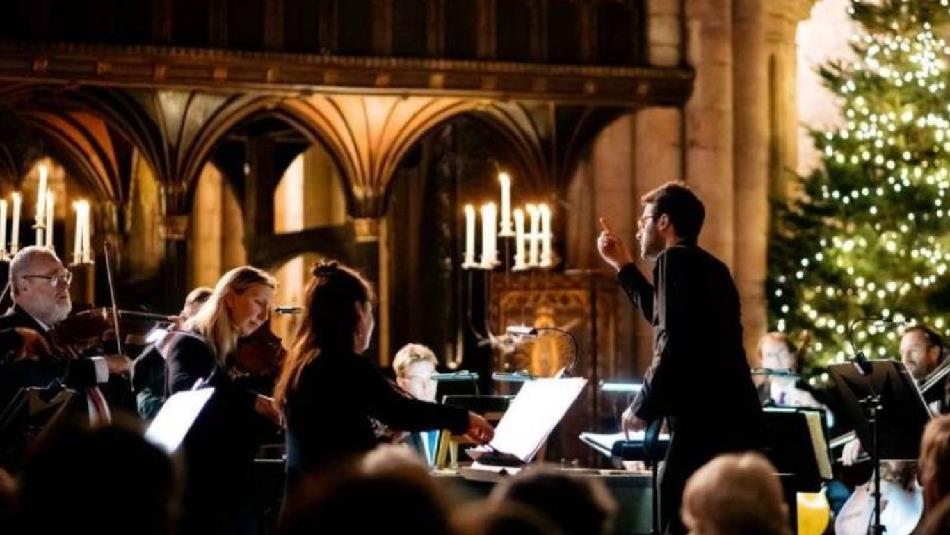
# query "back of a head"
(338, 503)
(934, 462)
(103, 480)
(735, 494)
(681, 205)
(577, 505)
(502, 519)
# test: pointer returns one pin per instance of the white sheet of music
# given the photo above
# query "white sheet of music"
(172, 422)
(532, 415)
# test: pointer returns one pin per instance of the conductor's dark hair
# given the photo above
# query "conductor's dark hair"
(684, 209)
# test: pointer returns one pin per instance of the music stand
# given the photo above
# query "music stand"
(902, 414)
(888, 412)
(29, 416)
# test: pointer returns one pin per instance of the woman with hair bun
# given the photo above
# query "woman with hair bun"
(330, 393)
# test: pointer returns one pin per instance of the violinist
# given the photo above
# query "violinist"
(40, 290)
(217, 498)
(148, 370)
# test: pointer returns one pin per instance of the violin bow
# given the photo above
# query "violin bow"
(107, 248)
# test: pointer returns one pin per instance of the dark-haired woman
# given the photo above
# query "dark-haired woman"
(330, 393)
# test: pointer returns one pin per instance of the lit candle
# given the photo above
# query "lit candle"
(469, 261)
(489, 220)
(41, 204)
(3, 227)
(519, 240)
(78, 235)
(533, 236)
(49, 219)
(86, 231)
(505, 180)
(545, 237)
(15, 223)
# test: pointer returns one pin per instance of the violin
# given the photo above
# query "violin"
(260, 354)
(95, 327)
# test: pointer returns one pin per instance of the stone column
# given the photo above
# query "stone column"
(709, 126)
(173, 227)
(782, 18)
(750, 150)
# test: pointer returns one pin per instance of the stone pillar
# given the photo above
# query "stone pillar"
(782, 18)
(750, 150)
(174, 232)
(371, 258)
(709, 128)
(664, 33)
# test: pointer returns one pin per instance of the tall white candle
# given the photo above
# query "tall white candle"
(49, 219)
(534, 234)
(3, 227)
(77, 234)
(519, 240)
(546, 254)
(489, 233)
(505, 181)
(86, 232)
(469, 260)
(40, 220)
(15, 223)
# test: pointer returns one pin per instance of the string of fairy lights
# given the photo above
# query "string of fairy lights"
(896, 131)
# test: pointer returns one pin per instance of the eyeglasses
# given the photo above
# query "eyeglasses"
(642, 222)
(54, 280)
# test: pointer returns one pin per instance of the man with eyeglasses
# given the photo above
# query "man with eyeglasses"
(39, 285)
(699, 379)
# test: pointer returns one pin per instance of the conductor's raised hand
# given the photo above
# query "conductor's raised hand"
(479, 430)
(611, 248)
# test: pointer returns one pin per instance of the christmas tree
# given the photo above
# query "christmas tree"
(868, 233)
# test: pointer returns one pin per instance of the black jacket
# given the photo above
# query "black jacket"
(699, 372)
(14, 375)
(699, 379)
(329, 410)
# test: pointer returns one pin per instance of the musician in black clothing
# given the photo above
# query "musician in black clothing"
(219, 451)
(699, 378)
(329, 392)
(40, 290)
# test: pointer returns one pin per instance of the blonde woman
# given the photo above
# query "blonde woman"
(220, 447)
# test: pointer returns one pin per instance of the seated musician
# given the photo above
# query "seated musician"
(219, 476)
(921, 352)
(779, 362)
(40, 290)
(148, 370)
(329, 392)
(414, 365)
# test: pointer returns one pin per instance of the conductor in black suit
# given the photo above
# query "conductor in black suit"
(699, 378)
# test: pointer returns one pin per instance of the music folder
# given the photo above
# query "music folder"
(530, 418)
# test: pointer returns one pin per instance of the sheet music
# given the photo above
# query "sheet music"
(170, 426)
(532, 415)
(816, 430)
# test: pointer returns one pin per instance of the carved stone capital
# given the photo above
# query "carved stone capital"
(366, 229)
(175, 227)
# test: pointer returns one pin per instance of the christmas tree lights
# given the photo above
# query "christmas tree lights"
(869, 234)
